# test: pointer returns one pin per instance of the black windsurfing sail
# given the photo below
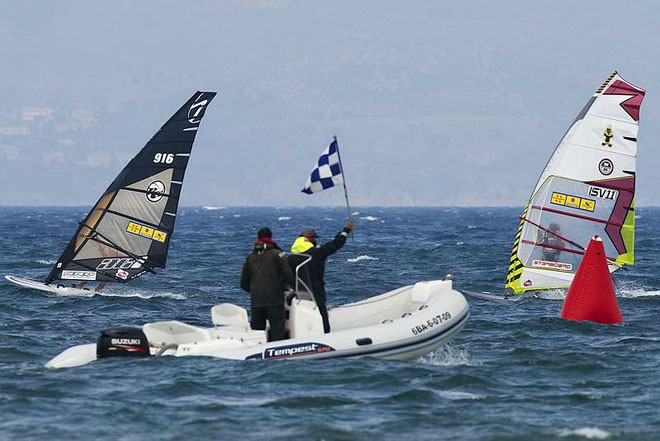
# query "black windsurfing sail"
(127, 233)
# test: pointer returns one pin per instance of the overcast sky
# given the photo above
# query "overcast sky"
(434, 102)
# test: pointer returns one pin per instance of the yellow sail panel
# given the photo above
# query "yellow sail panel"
(513, 284)
(628, 235)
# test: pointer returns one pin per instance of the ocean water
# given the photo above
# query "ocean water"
(516, 372)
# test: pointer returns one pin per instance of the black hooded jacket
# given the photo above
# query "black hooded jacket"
(265, 274)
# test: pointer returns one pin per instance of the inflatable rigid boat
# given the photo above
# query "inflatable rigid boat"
(403, 324)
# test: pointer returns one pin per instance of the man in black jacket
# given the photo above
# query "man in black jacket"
(265, 275)
(314, 271)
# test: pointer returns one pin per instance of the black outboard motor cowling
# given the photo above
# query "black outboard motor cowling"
(122, 342)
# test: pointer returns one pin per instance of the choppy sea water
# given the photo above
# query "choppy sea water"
(516, 372)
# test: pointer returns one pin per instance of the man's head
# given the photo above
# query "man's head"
(310, 234)
(265, 232)
(554, 227)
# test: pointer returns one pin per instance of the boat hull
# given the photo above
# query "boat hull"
(404, 324)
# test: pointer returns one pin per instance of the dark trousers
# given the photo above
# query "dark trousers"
(275, 315)
(324, 314)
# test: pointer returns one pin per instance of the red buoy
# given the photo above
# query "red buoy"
(591, 294)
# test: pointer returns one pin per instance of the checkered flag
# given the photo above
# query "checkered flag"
(328, 171)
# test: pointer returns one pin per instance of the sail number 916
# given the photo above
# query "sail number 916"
(164, 158)
(430, 323)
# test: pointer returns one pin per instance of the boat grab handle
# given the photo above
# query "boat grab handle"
(165, 348)
(299, 281)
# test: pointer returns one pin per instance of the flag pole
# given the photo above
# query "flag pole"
(341, 168)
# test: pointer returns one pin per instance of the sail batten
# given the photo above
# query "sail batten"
(575, 215)
(128, 231)
(552, 247)
(586, 189)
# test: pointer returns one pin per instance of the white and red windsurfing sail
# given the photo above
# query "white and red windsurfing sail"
(587, 189)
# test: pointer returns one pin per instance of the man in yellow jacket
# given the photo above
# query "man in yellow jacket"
(313, 273)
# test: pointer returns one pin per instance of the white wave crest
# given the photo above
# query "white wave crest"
(447, 356)
(559, 294)
(284, 218)
(632, 289)
(550, 294)
(369, 218)
(46, 262)
(586, 432)
(213, 208)
(637, 292)
(361, 258)
(458, 395)
(244, 402)
(144, 295)
(74, 293)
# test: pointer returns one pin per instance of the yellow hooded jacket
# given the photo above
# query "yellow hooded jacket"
(301, 245)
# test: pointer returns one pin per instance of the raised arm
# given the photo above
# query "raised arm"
(335, 244)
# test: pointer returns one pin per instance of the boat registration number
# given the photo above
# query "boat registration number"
(430, 323)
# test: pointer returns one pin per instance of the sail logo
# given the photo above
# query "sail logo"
(608, 134)
(553, 265)
(155, 191)
(146, 232)
(118, 263)
(568, 200)
(606, 167)
(78, 275)
(603, 193)
(196, 111)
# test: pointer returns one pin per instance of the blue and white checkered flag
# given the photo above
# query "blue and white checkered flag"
(328, 171)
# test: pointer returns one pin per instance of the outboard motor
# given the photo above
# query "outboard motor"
(122, 342)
